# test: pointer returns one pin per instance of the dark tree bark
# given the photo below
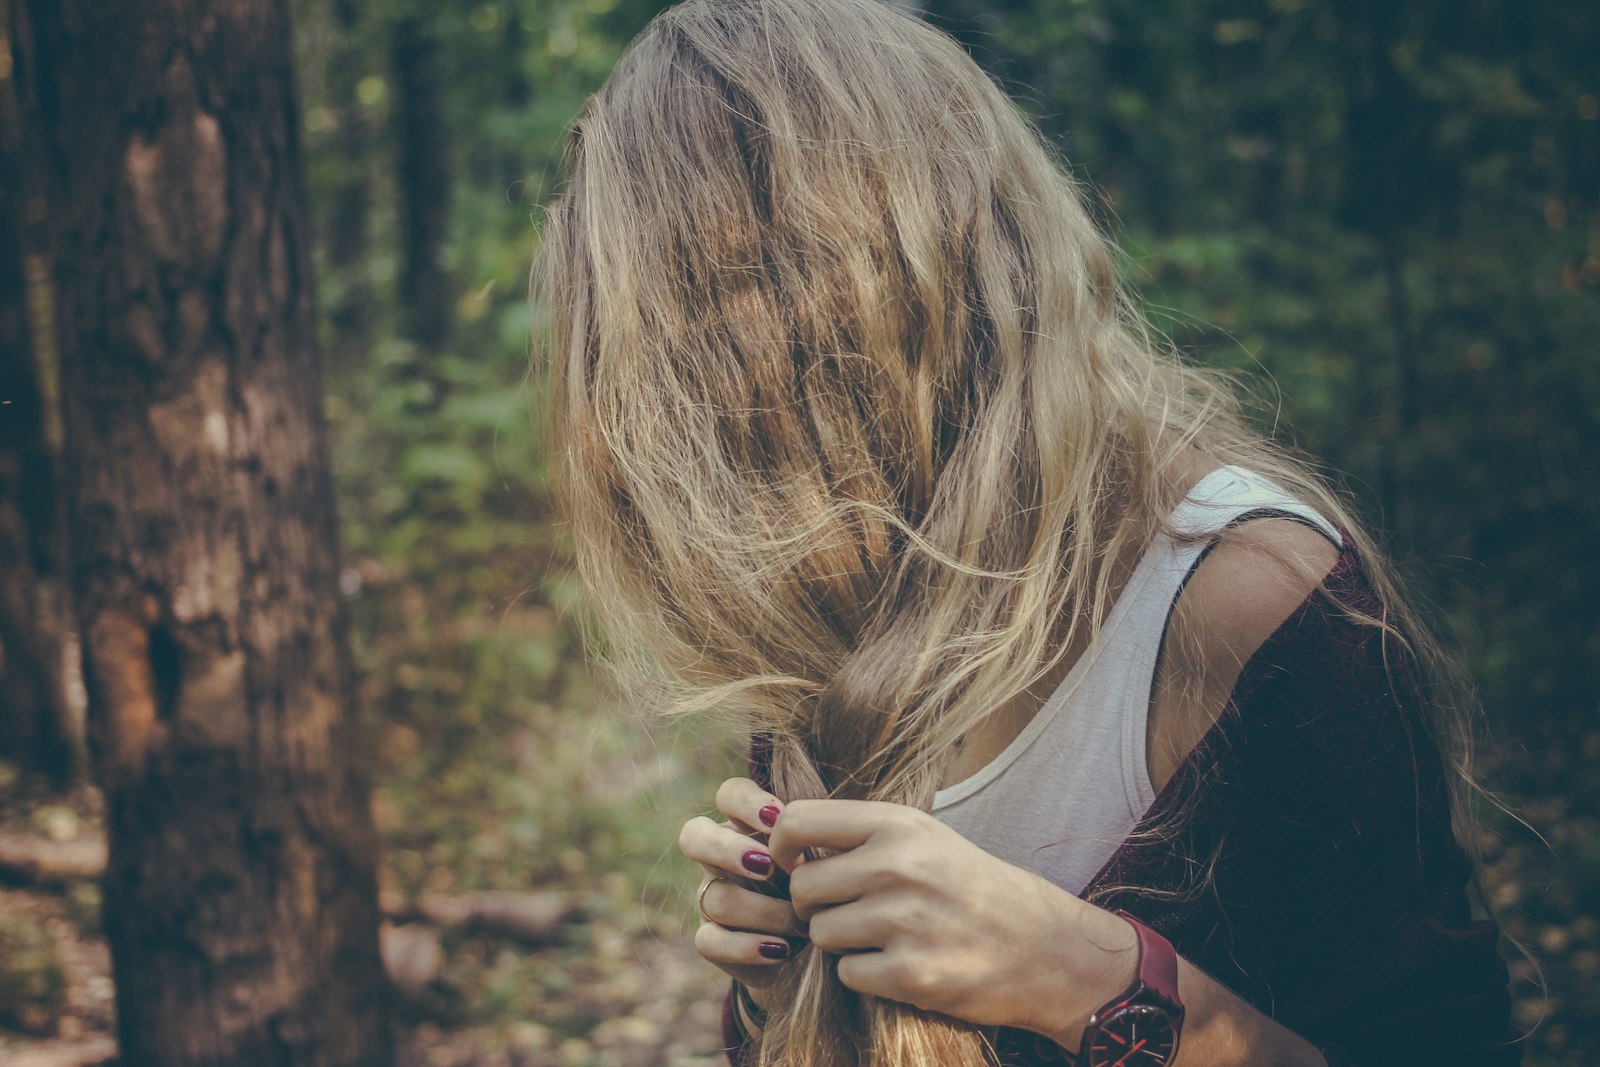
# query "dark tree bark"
(36, 723)
(424, 175)
(241, 902)
(518, 97)
(1393, 185)
(346, 226)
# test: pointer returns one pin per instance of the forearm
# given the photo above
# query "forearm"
(1220, 1029)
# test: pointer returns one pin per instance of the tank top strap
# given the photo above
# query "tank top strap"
(1221, 499)
(1228, 494)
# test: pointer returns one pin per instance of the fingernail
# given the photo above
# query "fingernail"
(757, 862)
(774, 950)
(768, 815)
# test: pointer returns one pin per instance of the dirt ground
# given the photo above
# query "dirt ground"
(626, 1003)
(621, 986)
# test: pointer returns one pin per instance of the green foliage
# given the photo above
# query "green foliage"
(1388, 212)
(1383, 215)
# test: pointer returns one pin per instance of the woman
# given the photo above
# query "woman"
(1087, 723)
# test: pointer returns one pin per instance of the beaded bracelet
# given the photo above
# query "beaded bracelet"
(747, 1004)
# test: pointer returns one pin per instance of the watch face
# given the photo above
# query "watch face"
(1139, 1035)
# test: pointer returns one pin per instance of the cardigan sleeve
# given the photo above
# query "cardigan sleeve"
(735, 1042)
(1336, 900)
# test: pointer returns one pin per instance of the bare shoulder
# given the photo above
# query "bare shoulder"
(1253, 579)
(1250, 582)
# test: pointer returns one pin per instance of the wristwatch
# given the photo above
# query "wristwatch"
(1140, 1027)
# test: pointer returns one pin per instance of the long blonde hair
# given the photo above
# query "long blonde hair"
(853, 416)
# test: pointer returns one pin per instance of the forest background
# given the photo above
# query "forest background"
(1385, 216)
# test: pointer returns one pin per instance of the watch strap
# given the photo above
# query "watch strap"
(1155, 986)
(1158, 961)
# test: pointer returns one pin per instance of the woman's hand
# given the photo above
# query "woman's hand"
(921, 915)
(744, 932)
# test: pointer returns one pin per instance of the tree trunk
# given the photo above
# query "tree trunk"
(513, 165)
(1389, 173)
(241, 902)
(36, 721)
(346, 230)
(424, 174)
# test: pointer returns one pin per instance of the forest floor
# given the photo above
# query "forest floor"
(1546, 894)
(619, 985)
(607, 990)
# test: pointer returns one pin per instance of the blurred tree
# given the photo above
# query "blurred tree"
(346, 229)
(36, 718)
(424, 177)
(240, 899)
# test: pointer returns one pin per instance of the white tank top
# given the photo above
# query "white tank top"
(1073, 784)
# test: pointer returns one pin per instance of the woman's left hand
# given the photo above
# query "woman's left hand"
(921, 915)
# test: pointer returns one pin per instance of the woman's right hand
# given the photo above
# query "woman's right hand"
(746, 933)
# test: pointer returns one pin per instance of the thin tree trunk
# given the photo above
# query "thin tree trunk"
(36, 721)
(424, 175)
(347, 228)
(241, 902)
(519, 95)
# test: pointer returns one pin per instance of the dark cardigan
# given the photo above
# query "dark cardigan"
(1337, 903)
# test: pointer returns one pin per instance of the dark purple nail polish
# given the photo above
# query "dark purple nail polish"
(757, 862)
(768, 815)
(774, 950)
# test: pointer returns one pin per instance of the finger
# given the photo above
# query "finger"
(730, 905)
(725, 947)
(847, 928)
(833, 880)
(714, 845)
(835, 824)
(869, 972)
(745, 802)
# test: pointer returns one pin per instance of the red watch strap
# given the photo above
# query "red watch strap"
(1158, 962)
